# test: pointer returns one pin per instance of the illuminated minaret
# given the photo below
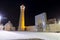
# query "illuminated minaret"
(21, 19)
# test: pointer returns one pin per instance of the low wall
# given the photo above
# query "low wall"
(53, 27)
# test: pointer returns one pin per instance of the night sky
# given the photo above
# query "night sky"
(11, 10)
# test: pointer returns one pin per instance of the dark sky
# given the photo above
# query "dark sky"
(11, 10)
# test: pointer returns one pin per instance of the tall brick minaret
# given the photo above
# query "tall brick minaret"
(21, 19)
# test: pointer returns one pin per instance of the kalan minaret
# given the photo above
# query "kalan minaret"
(21, 19)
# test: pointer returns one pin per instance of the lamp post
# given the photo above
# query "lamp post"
(1, 25)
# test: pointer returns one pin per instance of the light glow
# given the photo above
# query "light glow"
(0, 18)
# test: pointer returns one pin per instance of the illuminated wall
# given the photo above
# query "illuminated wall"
(30, 28)
(53, 27)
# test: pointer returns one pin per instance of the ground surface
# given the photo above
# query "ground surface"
(28, 35)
